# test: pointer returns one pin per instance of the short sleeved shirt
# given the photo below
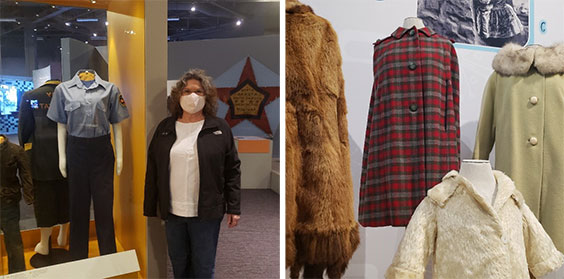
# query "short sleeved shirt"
(87, 109)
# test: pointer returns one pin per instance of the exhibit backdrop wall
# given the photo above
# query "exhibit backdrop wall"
(358, 24)
(218, 56)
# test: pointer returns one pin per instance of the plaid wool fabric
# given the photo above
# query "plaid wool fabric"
(412, 134)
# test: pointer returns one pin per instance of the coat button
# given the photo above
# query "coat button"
(413, 107)
(412, 32)
(534, 100)
(533, 141)
(412, 66)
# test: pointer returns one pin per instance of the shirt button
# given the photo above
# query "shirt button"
(504, 239)
(533, 141)
(412, 32)
(413, 107)
(412, 66)
(534, 100)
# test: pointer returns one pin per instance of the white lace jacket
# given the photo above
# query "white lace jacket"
(469, 238)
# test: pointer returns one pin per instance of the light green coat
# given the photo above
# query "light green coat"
(523, 114)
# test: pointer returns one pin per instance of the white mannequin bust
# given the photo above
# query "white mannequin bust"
(480, 174)
(409, 22)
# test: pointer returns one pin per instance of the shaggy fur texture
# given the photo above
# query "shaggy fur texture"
(513, 59)
(320, 224)
(470, 238)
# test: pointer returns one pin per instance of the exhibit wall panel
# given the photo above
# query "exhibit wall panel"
(126, 52)
(156, 76)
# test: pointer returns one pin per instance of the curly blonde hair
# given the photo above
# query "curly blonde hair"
(210, 108)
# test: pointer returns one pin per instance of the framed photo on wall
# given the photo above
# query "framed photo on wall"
(491, 23)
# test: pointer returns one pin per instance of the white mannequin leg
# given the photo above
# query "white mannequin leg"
(43, 246)
(63, 234)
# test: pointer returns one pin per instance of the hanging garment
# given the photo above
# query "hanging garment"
(468, 237)
(521, 113)
(412, 133)
(321, 229)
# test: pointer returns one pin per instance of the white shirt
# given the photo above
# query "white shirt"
(184, 170)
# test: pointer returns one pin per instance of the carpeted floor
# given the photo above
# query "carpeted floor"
(252, 249)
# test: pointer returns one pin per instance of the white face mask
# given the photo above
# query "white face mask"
(192, 103)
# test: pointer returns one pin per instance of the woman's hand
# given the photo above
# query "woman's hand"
(232, 220)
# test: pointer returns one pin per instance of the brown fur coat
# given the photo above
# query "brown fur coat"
(320, 225)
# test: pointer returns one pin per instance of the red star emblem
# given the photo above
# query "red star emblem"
(247, 100)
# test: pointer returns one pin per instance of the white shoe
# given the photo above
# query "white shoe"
(62, 238)
(42, 249)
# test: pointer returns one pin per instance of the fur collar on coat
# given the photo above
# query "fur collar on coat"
(514, 59)
(469, 238)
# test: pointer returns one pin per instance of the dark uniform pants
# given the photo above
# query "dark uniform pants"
(10, 225)
(90, 168)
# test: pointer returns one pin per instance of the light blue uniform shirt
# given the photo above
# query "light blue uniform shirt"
(87, 108)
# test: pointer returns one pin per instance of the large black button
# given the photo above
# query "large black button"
(412, 66)
(413, 107)
(412, 32)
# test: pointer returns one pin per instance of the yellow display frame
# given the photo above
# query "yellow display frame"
(127, 69)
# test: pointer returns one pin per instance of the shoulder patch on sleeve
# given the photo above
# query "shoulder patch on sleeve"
(122, 101)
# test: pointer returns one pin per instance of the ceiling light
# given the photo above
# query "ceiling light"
(193, 9)
(106, 23)
(67, 23)
(61, 49)
(94, 34)
(35, 29)
(86, 20)
(53, 6)
(48, 25)
(17, 3)
(8, 20)
(173, 19)
(93, 1)
(37, 15)
(238, 22)
(19, 23)
(86, 42)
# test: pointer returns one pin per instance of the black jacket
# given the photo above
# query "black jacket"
(14, 163)
(220, 176)
(34, 127)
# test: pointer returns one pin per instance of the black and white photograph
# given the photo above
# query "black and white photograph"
(478, 22)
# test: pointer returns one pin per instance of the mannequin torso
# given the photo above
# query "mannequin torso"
(479, 173)
(409, 22)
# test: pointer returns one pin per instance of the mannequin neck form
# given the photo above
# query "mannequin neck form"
(480, 174)
(191, 117)
(413, 21)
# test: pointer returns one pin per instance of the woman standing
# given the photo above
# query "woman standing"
(193, 176)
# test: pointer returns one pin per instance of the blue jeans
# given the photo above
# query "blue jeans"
(192, 243)
(10, 225)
